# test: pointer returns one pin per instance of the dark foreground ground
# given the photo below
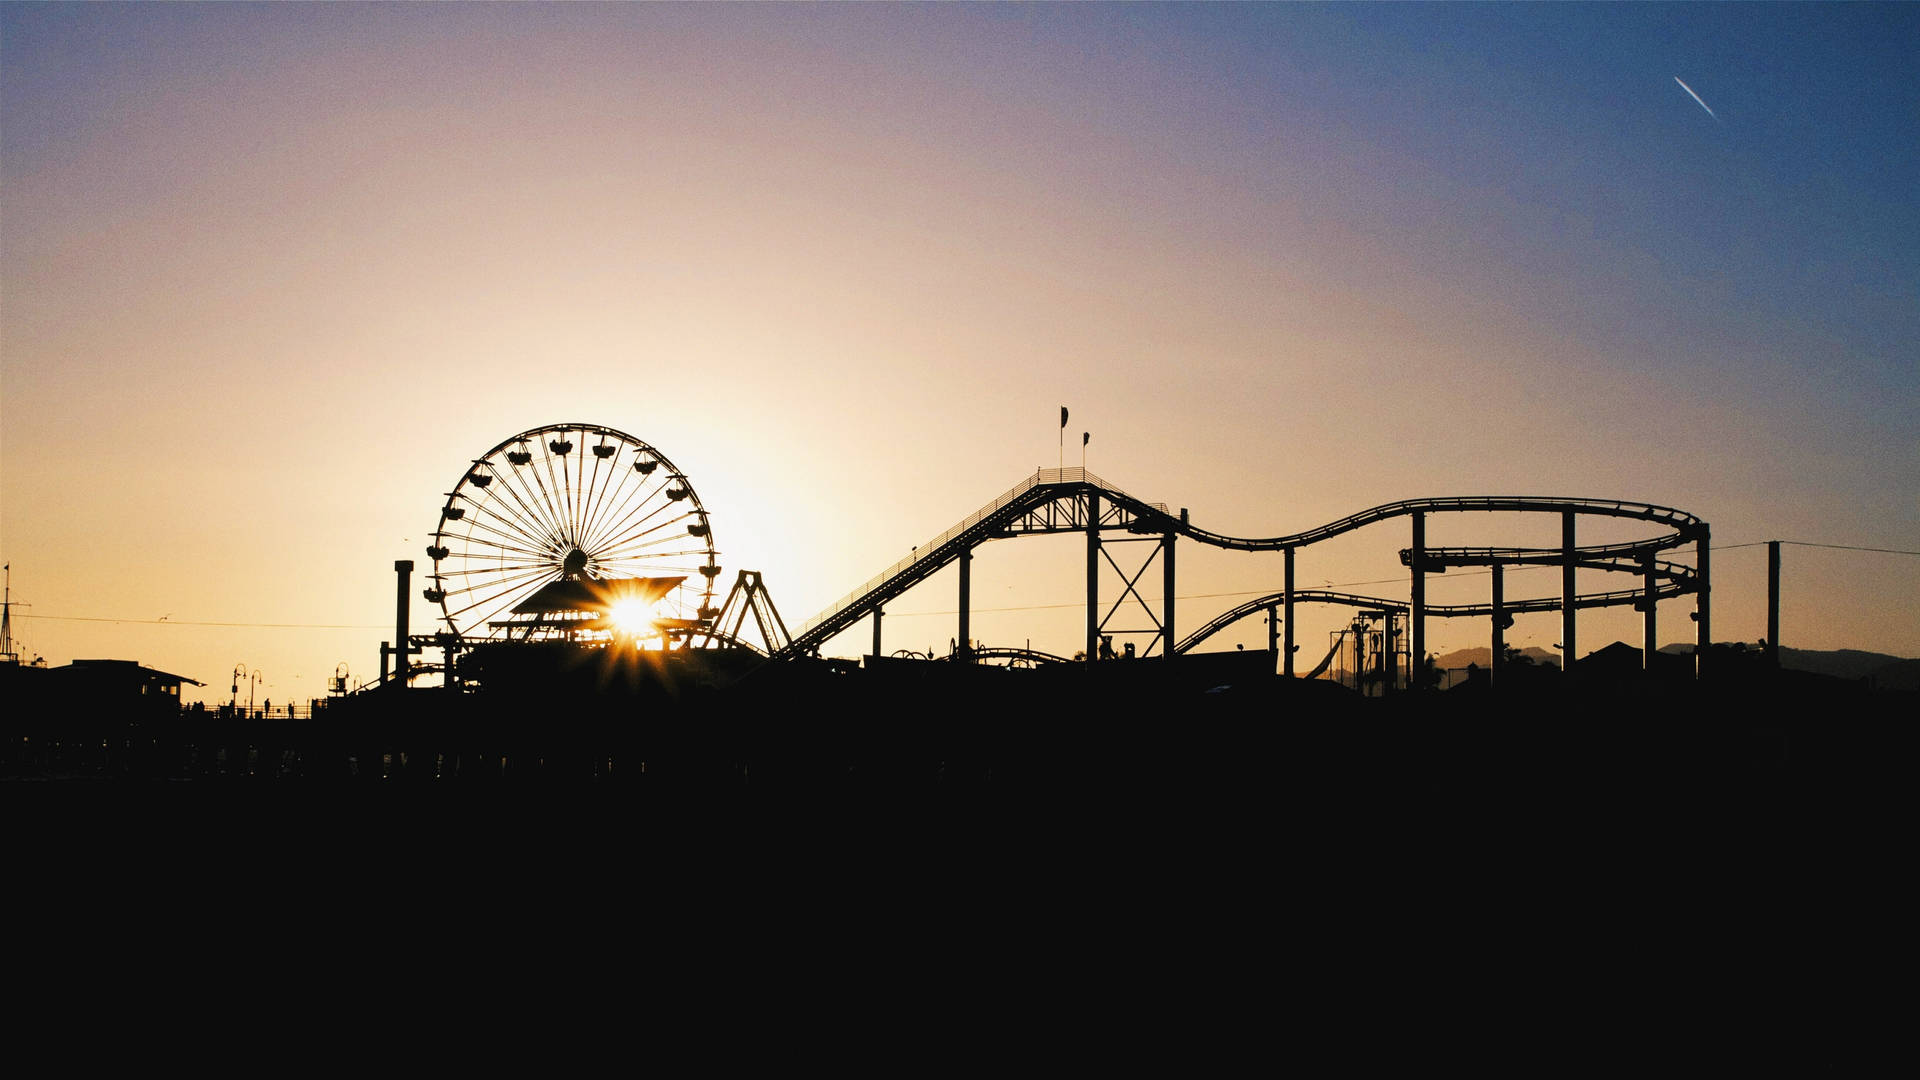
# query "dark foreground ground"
(1177, 875)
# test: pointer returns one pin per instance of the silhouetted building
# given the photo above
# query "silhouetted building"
(1621, 662)
(119, 681)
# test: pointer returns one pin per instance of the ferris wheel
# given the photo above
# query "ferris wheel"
(549, 529)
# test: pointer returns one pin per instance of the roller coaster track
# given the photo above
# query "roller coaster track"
(1058, 500)
(1615, 598)
(1033, 657)
(1039, 504)
(1682, 522)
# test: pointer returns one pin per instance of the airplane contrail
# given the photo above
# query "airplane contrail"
(1695, 97)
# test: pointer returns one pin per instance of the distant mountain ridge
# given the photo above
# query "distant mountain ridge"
(1887, 672)
(1483, 657)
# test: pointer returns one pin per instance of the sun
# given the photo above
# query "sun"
(631, 618)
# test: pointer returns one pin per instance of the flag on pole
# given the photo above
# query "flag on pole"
(1063, 417)
(1084, 436)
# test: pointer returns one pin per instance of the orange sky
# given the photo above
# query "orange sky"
(270, 276)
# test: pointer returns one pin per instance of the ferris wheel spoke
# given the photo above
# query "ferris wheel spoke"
(548, 499)
(599, 500)
(592, 485)
(512, 548)
(500, 533)
(496, 600)
(509, 525)
(504, 506)
(684, 560)
(505, 581)
(644, 495)
(627, 525)
(655, 548)
(495, 569)
(640, 554)
(568, 487)
(533, 504)
(634, 532)
(492, 587)
(560, 498)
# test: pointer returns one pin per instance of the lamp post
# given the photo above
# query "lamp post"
(252, 685)
(239, 672)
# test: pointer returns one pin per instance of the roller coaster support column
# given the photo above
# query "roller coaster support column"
(1499, 661)
(1418, 615)
(1286, 641)
(1567, 650)
(965, 655)
(1093, 575)
(877, 612)
(1649, 641)
(1166, 623)
(1773, 604)
(1703, 613)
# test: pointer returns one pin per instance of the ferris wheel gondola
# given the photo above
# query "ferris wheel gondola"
(569, 503)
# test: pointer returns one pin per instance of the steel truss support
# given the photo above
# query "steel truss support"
(1161, 630)
(1286, 621)
(964, 648)
(1703, 612)
(749, 599)
(1501, 620)
(1417, 653)
(1093, 576)
(1773, 604)
(1166, 594)
(1649, 639)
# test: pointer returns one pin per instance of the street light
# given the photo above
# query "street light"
(239, 672)
(252, 685)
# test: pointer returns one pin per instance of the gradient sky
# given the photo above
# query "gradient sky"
(270, 276)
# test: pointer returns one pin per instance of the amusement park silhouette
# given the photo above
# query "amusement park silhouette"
(582, 637)
(1479, 545)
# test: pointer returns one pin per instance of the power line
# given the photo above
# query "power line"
(1848, 547)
